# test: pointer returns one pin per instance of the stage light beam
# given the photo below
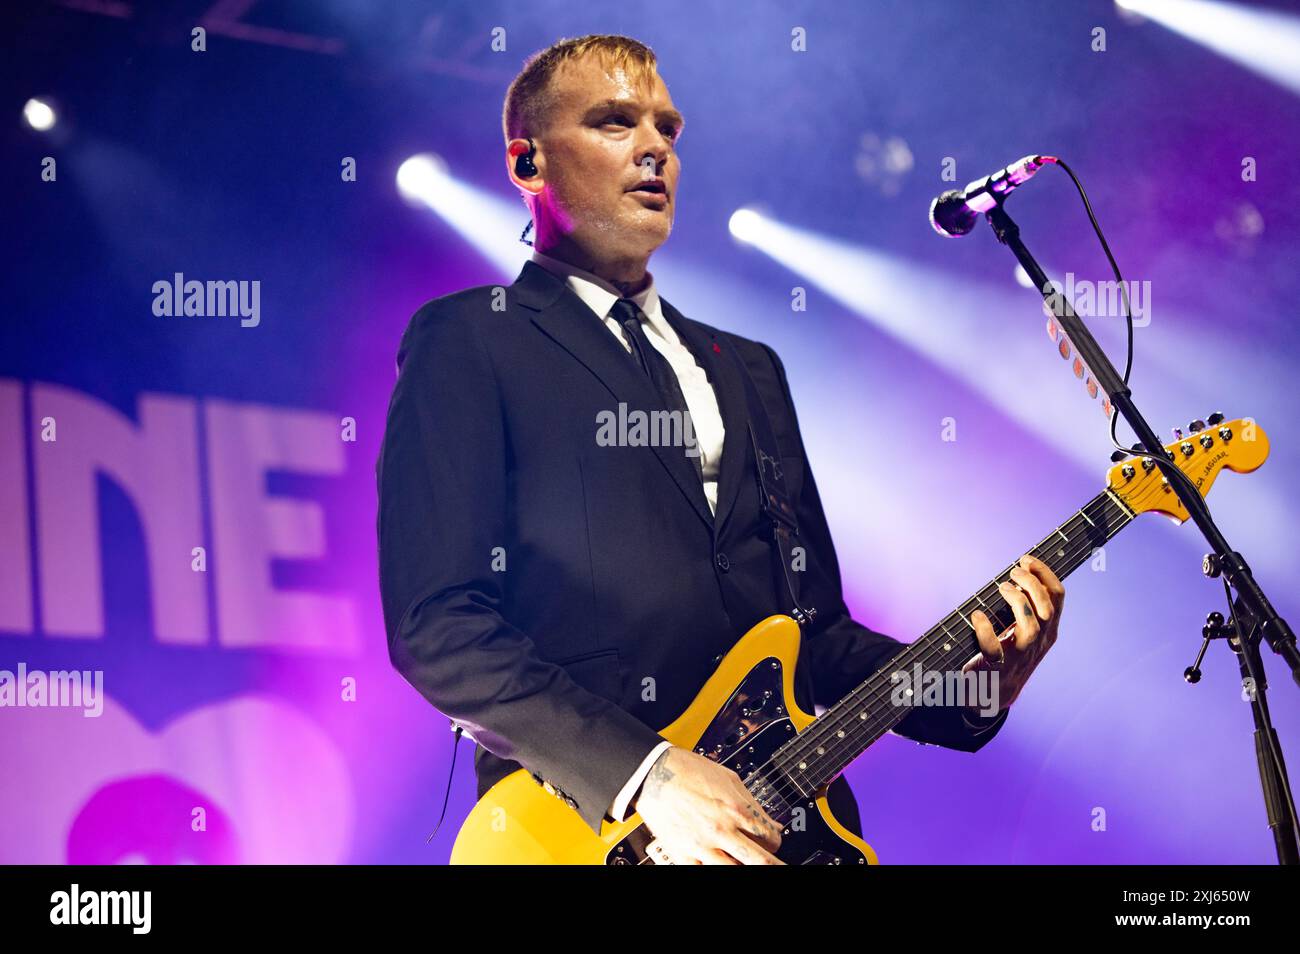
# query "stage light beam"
(489, 223)
(1266, 42)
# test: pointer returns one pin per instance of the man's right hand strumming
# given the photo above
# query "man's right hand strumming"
(701, 813)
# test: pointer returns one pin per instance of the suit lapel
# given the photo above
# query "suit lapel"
(565, 318)
(730, 391)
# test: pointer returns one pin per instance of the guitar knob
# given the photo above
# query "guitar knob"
(1214, 418)
(1178, 433)
(1117, 456)
(1196, 426)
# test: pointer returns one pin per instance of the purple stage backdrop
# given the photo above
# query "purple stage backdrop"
(187, 504)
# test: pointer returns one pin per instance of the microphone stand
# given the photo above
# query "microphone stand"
(1243, 640)
(1251, 602)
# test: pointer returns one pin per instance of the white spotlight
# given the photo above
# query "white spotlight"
(745, 224)
(39, 115)
(419, 177)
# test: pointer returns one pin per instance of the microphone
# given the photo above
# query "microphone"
(955, 213)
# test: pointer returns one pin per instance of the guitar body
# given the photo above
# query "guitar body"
(742, 715)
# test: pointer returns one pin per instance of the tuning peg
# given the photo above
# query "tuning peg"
(1196, 426)
(1117, 456)
(1214, 418)
(1178, 433)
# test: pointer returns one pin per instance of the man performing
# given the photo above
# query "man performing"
(561, 592)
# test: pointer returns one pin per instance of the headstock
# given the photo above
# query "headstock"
(1209, 447)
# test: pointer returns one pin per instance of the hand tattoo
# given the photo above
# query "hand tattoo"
(660, 775)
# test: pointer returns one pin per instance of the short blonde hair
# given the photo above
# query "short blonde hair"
(529, 98)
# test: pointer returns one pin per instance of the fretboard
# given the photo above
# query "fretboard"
(843, 732)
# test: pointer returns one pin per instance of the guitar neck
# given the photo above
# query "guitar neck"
(843, 732)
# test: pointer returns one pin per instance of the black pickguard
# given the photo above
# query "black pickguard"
(751, 725)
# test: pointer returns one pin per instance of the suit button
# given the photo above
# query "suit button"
(723, 563)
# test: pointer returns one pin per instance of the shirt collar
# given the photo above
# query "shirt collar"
(598, 294)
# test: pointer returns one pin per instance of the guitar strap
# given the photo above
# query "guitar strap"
(774, 499)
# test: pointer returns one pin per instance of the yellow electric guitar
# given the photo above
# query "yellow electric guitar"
(745, 718)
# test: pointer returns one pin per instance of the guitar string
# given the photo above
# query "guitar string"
(804, 742)
(1107, 498)
(799, 749)
(1089, 541)
(782, 795)
(787, 784)
(786, 788)
(783, 790)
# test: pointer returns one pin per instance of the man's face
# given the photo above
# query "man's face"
(608, 143)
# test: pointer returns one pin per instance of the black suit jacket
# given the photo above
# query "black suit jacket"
(563, 600)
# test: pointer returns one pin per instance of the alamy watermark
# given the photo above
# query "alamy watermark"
(975, 688)
(54, 690)
(213, 299)
(129, 908)
(638, 428)
(1091, 299)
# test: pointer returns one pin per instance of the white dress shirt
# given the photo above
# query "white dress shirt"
(600, 296)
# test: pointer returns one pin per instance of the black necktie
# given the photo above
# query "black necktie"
(657, 368)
